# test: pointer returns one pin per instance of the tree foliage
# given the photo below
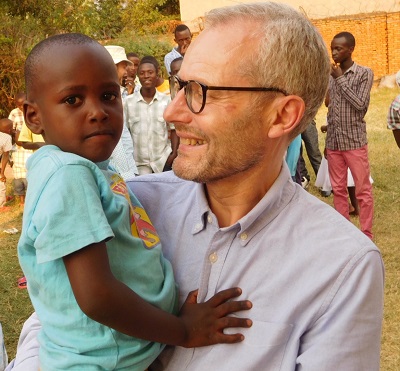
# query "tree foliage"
(141, 15)
(23, 23)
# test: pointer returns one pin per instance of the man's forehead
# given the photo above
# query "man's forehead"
(214, 52)
(182, 34)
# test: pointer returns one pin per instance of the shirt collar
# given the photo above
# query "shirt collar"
(352, 68)
(276, 199)
(140, 97)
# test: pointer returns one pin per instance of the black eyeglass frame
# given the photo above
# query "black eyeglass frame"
(183, 84)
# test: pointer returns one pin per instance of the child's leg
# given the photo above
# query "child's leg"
(2, 193)
(20, 185)
(353, 200)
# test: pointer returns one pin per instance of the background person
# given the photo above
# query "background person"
(176, 66)
(393, 118)
(183, 37)
(143, 114)
(346, 139)
(6, 126)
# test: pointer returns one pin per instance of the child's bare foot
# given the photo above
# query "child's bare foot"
(353, 211)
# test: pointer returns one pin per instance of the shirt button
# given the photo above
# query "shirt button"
(213, 257)
(244, 236)
(209, 219)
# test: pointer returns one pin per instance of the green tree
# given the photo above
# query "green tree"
(147, 16)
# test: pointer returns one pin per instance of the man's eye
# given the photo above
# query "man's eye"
(73, 100)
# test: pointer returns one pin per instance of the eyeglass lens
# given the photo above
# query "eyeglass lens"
(193, 94)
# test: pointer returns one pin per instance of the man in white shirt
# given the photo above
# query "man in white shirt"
(122, 157)
(143, 115)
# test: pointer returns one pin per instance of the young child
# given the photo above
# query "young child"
(96, 275)
(5, 148)
(19, 155)
(17, 115)
(176, 66)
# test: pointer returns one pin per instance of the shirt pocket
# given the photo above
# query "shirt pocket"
(264, 343)
(134, 124)
(161, 128)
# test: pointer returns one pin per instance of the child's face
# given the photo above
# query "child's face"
(175, 67)
(132, 68)
(76, 102)
(20, 103)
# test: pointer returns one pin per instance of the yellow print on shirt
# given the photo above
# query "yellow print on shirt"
(141, 226)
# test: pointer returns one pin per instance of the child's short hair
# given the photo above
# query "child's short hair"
(35, 56)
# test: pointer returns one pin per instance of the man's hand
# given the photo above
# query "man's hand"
(130, 84)
(336, 71)
(205, 322)
(184, 48)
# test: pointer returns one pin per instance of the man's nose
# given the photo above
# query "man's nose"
(178, 110)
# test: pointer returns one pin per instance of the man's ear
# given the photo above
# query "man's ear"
(32, 117)
(288, 110)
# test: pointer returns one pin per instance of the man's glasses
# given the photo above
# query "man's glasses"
(196, 92)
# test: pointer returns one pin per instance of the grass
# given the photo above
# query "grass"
(385, 168)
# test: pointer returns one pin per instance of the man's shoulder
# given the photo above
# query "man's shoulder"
(362, 69)
(162, 97)
(396, 103)
(326, 229)
(172, 53)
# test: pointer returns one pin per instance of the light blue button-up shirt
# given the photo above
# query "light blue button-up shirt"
(315, 281)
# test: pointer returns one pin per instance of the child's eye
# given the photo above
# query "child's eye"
(73, 101)
(109, 96)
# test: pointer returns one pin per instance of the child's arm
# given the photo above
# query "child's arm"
(4, 161)
(108, 301)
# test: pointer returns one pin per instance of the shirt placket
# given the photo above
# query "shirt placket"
(214, 260)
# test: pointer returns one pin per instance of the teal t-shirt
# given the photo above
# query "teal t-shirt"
(71, 203)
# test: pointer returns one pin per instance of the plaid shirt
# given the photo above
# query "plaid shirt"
(348, 103)
(393, 118)
(17, 117)
(19, 157)
(5, 143)
(148, 129)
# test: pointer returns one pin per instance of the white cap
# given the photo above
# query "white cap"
(117, 53)
(398, 78)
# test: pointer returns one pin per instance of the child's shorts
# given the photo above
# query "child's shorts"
(20, 186)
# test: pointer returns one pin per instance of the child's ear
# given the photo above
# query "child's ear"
(32, 117)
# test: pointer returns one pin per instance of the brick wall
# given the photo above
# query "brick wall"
(377, 39)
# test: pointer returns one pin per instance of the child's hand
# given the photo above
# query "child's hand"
(205, 322)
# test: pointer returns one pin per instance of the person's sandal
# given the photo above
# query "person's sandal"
(22, 283)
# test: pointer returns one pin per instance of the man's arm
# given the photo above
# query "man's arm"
(396, 134)
(346, 334)
(358, 99)
(174, 146)
(28, 141)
